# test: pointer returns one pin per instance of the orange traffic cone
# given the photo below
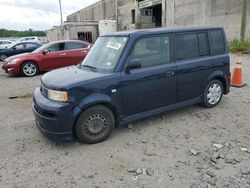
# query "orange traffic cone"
(237, 80)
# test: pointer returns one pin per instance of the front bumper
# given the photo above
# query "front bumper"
(11, 68)
(54, 119)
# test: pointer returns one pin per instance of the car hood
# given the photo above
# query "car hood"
(16, 56)
(67, 77)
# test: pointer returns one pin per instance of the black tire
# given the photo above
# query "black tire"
(29, 69)
(215, 90)
(94, 124)
(3, 57)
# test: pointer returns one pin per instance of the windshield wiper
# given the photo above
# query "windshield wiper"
(89, 66)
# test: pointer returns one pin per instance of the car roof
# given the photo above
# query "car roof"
(59, 41)
(24, 42)
(159, 30)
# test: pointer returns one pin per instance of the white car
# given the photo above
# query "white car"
(5, 43)
(29, 39)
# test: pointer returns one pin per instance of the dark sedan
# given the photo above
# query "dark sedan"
(18, 48)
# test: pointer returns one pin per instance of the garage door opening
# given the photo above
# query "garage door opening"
(151, 16)
(85, 36)
(157, 12)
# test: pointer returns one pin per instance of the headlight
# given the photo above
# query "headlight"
(57, 95)
(13, 61)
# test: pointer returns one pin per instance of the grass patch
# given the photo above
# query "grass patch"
(239, 46)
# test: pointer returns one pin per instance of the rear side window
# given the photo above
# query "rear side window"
(75, 45)
(186, 46)
(217, 44)
(31, 45)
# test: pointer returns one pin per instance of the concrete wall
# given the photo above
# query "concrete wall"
(104, 9)
(71, 30)
(175, 13)
(226, 13)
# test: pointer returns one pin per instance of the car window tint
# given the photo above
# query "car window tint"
(217, 45)
(75, 45)
(186, 46)
(56, 47)
(152, 51)
(203, 44)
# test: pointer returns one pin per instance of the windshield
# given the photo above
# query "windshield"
(105, 54)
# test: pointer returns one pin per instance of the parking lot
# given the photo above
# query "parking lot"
(174, 149)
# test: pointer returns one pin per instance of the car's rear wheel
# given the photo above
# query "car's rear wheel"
(3, 57)
(29, 69)
(213, 93)
(95, 124)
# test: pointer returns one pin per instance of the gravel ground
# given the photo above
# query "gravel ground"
(170, 150)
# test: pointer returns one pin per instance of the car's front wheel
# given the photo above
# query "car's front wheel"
(95, 124)
(213, 93)
(29, 69)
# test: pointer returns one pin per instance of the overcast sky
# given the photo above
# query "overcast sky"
(36, 14)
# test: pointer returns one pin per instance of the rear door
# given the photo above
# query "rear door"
(77, 51)
(193, 64)
(29, 47)
(154, 84)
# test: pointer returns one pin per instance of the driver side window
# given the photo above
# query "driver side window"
(56, 47)
(151, 51)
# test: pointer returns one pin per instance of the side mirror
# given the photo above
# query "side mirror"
(45, 51)
(14, 48)
(133, 64)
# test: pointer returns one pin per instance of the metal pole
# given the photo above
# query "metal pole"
(60, 5)
(116, 14)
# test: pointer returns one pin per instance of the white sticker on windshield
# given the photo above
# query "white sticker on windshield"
(114, 45)
(108, 63)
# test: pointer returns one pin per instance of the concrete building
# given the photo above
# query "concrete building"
(136, 14)
(183, 13)
(83, 24)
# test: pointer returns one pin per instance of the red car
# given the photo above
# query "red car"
(49, 56)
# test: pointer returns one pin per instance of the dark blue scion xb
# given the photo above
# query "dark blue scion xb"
(132, 75)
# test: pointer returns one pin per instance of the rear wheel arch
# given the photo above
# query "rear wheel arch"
(223, 81)
(218, 75)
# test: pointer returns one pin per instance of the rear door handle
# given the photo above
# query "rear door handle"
(169, 74)
(63, 54)
(83, 51)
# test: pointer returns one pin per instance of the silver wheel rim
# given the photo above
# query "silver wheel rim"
(95, 124)
(214, 94)
(29, 69)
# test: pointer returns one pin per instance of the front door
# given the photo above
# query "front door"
(55, 57)
(154, 84)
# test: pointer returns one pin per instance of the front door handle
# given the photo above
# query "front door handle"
(63, 54)
(169, 74)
